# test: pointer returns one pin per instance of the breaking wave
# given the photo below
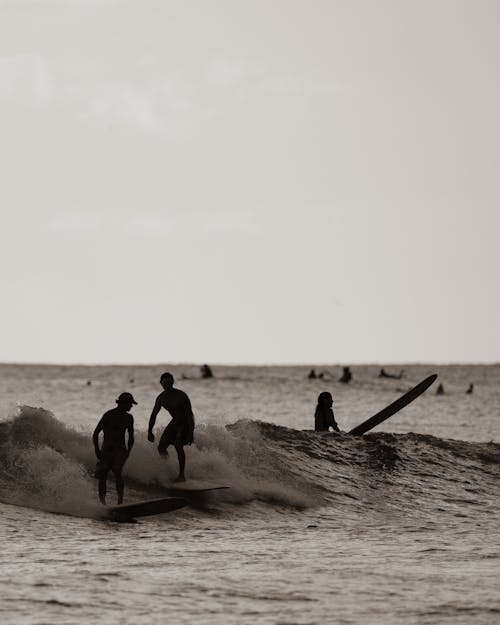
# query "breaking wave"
(46, 465)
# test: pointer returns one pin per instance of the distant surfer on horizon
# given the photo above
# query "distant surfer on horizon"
(113, 453)
(179, 431)
(346, 375)
(383, 374)
(324, 418)
(206, 372)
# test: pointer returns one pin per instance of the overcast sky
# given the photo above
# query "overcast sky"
(250, 181)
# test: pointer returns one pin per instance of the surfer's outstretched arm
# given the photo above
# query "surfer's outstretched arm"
(152, 419)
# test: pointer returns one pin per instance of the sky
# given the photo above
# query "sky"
(249, 182)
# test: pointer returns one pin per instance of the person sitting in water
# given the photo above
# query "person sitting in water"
(179, 431)
(383, 374)
(206, 372)
(312, 375)
(470, 390)
(113, 453)
(440, 390)
(346, 375)
(324, 418)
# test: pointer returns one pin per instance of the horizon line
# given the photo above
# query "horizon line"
(249, 364)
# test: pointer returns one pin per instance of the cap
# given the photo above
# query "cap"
(126, 397)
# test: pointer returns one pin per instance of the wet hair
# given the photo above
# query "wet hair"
(324, 395)
(166, 375)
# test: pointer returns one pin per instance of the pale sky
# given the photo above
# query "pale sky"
(250, 181)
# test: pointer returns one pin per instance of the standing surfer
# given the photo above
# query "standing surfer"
(324, 418)
(113, 453)
(179, 431)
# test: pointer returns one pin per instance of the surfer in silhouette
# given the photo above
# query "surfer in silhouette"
(440, 390)
(324, 418)
(383, 374)
(206, 372)
(470, 390)
(346, 375)
(179, 432)
(312, 375)
(112, 455)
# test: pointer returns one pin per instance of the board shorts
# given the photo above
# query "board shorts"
(173, 435)
(110, 460)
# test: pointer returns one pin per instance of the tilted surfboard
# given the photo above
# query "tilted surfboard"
(187, 490)
(396, 406)
(128, 512)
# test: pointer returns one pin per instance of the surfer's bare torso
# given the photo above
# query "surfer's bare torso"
(114, 424)
(180, 429)
(177, 403)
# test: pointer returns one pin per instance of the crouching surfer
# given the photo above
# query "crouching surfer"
(113, 453)
(179, 431)
(324, 418)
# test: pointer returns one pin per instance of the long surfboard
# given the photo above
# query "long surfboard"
(128, 512)
(187, 490)
(396, 406)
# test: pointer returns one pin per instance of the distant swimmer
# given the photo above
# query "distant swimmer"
(383, 374)
(312, 375)
(179, 431)
(206, 372)
(440, 390)
(346, 375)
(324, 418)
(113, 453)
(470, 390)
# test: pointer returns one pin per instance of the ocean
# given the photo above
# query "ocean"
(401, 525)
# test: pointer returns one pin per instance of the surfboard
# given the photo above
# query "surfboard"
(396, 406)
(128, 512)
(186, 490)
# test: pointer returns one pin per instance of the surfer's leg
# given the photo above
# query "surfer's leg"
(102, 487)
(179, 448)
(165, 441)
(118, 461)
(119, 486)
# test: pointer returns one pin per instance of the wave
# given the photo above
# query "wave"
(46, 465)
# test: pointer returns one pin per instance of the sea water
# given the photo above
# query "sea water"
(399, 526)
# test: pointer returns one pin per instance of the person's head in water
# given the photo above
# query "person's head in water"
(325, 399)
(125, 401)
(167, 380)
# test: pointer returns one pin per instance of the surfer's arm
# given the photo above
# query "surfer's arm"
(334, 423)
(130, 430)
(188, 424)
(95, 437)
(152, 419)
(190, 427)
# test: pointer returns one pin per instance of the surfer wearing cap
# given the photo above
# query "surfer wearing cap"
(323, 415)
(113, 453)
(179, 431)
